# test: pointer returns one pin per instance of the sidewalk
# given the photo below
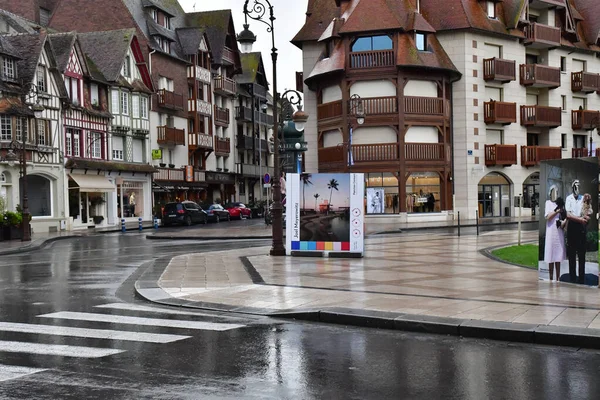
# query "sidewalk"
(429, 283)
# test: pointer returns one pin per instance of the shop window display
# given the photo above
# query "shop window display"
(130, 199)
(423, 192)
(382, 193)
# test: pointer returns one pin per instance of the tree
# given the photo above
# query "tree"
(333, 184)
(316, 195)
(305, 182)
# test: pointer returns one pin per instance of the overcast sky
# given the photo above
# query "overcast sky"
(290, 16)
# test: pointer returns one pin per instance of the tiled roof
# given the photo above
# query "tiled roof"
(141, 16)
(30, 48)
(320, 13)
(190, 39)
(7, 48)
(436, 58)
(62, 44)
(217, 24)
(156, 29)
(590, 11)
(153, 4)
(14, 106)
(334, 63)
(416, 22)
(373, 15)
(107, 50)
(17, 23)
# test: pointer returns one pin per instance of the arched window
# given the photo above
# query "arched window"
(39, 196)
(381, 42)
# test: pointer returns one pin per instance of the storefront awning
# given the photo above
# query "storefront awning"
(93, 183)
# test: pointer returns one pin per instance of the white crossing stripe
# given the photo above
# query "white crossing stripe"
(56, 350)
(8, 372)
(120, 319)
(90, 333)
(139, 307)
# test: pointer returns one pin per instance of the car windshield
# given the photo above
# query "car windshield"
(173, 207)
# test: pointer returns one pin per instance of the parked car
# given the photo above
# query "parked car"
(216, 213)
(183, 213)
(238, 210)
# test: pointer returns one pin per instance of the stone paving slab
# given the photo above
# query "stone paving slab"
(426, 283)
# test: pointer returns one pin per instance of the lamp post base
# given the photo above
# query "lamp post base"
(278, 251)
(26, 237)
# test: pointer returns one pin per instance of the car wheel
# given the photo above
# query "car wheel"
(229, 217)
(188, 221)
(249, 216)
(217, 219)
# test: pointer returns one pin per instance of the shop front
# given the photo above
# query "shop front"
(494, 196)
(221, 187)
(88, 194)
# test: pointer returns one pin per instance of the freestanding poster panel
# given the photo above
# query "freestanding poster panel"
(325, 214)
(568, 230)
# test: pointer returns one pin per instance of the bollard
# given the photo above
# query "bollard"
(459, 224)
(140, 227)
(155, 223)
(477, 221)
(123, 229)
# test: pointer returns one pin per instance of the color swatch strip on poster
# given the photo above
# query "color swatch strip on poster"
(320, 246)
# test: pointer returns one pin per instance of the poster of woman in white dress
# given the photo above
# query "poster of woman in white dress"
(375, 200)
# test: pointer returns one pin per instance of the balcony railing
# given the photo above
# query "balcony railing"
(170, 99)
(253, 170)
(586, 82)
(374, 152)
(200, 140)
(200, 106)
(424, 105)
(537, 75)
(245, 114)
(245, 142)
(532, 155)
(541, 116)
(225, 86)
(499, 70)
(199, 73)
(585, 119)
(500, 154)
(378, 105)
(337, 156)
(222, 145)
(580, 152)
(498, 112)
(542, 36)
(426, 152)
(170, 136)
(169, 174)
(329, 110)
(372, 59)
(221, 116)
(228, 55)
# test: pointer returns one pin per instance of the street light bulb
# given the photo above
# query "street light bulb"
(360, 120)
(299, 126)
(38, 110)
(300, 118)
(297, 146)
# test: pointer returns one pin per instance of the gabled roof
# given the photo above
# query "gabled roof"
(154, 4)
(318, 16)
(590, 11)
(463, 14)
(372, 15)
(217, 24)
(62, 45)
(30, 48)
(17, 23)
(107, 50)
(252, 68)
(191, 38)
(416, 22)
(325, 66)
(7, 48)
(408, 55)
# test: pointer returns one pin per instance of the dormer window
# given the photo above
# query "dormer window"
(164, 44)
(371, 43)
(8, 69)
(167, 22)
(42, 85)
(155, 15)
(127, 67)
(421, 41)
(491, 9)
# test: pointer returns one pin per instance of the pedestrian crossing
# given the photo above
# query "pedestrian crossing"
(120, 329)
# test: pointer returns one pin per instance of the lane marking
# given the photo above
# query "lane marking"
(139, 307)
(56, 350)
(9, 372)
(90, 333)
(121, 319)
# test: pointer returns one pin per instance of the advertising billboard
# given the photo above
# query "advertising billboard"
(325, 213)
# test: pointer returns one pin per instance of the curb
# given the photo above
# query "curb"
(33, 247)
(173, 237)
(147, 288)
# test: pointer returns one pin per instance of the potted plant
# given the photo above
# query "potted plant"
(98, 219)
(13, 220)
(162, 164)
(171, 165)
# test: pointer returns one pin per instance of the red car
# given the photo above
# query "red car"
(239, 210)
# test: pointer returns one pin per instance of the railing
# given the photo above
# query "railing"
(222, 145)
(584, 82)
(372, 59)
(548, 36)
(532, 155)
(497, 112)
(424, 105)
(375, 152)
(585, 119)
(168, 135)
(539, 75)
(378, 105)
(170, 99)
(579, 152)
(225, 85)
(228, 55)
(329, 110)
(245, 114)
(332, 156)
(426, 152)
(253, 170)
(169, 174)
(221, 116)
(245, 142)
(200, 106)
(383, 152)
(500, 154)
(541, 116)
(199, 73)
(202, 140)
(497, 69)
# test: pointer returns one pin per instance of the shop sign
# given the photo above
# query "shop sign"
(189, 173)
(156, 154)
(219, 178)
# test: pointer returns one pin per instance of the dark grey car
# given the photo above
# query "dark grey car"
(183, 213)
(216, 213)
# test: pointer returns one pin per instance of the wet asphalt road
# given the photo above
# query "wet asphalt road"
(74, 286)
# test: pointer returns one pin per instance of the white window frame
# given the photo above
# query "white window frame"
(115, 102)
(124, 103)
(5, 127)
(491, 9)
(135, 106)
(8, 68)
(127, 67)
(22, 126)
(94, 94)
(95, 144)
(424, 36)
(144, 107)
(42, 84)
(42, 133)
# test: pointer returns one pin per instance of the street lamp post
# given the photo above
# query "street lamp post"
(258, 12)
(357, 110)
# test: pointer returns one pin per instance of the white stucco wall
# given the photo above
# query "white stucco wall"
(310, 55)
(376, 88)
(368, 135)
(422, 134)
(332, 93)
(332, 138)
(421, 88)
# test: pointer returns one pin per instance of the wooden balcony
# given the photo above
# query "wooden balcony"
(378, 105)
(169, 99)
(541, 116)
(199, 73)
(427, 152)
(425, 109)
(221, 116)
(541, 36)
(329, 110)
(252, 170)
(585, 82)
(372, 59)
(585, 119)
(228, 56)
(245, 142)
(222, 145)
(169, 174)
(580, 152)
(245, 114)
(199, 106)
(500, 155)
(498, 112)
(332, 158)
(536, 75)
(532, 155)
(199, 141)
(170, 136)
(499, 70)
(225, 86)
